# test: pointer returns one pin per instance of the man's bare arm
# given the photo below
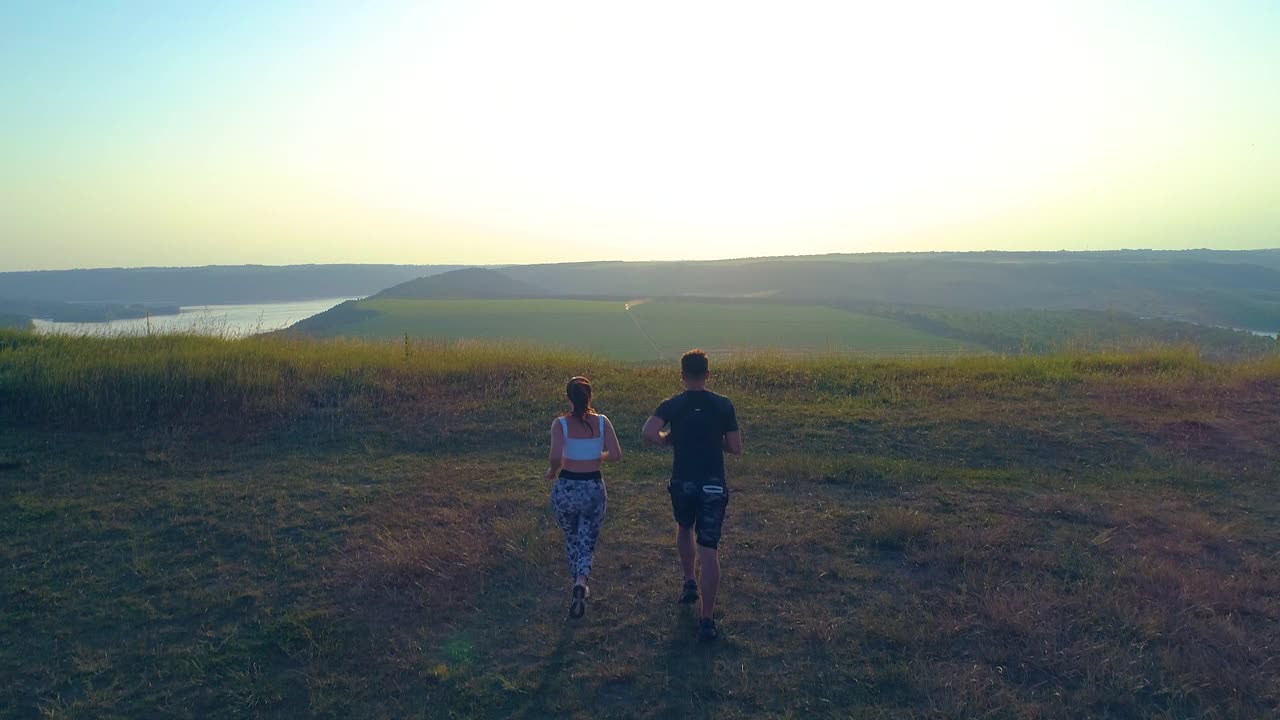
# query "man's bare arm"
(652, 434)
(733, 442)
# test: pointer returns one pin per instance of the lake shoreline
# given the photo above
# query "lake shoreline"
(232, 320)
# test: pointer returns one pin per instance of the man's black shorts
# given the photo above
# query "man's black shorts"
(702, 506)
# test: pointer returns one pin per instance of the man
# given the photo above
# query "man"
(700, 425)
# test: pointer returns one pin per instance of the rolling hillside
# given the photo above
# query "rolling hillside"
(464, 283)
(498, 305)
(1226, 288)
(79, 312)
(1214, 289)
(212, 285)
(633, 331)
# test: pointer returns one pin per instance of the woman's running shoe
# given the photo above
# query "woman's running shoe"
(579, 605)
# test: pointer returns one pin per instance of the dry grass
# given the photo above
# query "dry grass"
(360, 533)
(896, 528)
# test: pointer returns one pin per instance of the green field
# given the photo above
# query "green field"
(280, 527)
(649, 330)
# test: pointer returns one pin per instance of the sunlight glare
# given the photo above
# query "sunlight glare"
(695, 117)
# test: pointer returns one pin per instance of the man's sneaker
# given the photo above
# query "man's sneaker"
(707, 630)
(689, 594)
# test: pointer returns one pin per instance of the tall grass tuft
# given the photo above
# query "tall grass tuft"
(123, 380)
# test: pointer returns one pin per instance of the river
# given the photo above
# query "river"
(221, 320)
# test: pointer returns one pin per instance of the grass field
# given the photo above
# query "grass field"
(648, 330)
(678, 326)
(276, 527)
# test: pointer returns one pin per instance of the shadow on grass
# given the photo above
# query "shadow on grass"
(690, 667)
(550, 682)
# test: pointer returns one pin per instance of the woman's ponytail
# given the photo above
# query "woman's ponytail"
(579, 393)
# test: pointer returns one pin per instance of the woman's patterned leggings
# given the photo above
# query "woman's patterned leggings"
(579, 507)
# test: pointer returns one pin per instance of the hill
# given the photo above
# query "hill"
(1053, 331)
(889, 305)
(646, 330)
(1213, 288)
(464, 283)
(79, 312)
(1208, 287)
(663, 327)
(212, 285)
(355, 318)
(278, 527)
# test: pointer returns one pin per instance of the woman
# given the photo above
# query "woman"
(581, 440)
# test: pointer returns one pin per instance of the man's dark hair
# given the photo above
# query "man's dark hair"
(693, 364)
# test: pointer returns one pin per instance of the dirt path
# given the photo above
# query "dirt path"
(627, 306)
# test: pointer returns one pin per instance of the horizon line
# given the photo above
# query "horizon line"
(458, 265)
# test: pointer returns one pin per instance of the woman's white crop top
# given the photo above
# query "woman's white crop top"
(583, 448)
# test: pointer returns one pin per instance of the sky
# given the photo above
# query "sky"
(145, 133)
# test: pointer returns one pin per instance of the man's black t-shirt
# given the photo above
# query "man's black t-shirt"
(698, 420)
